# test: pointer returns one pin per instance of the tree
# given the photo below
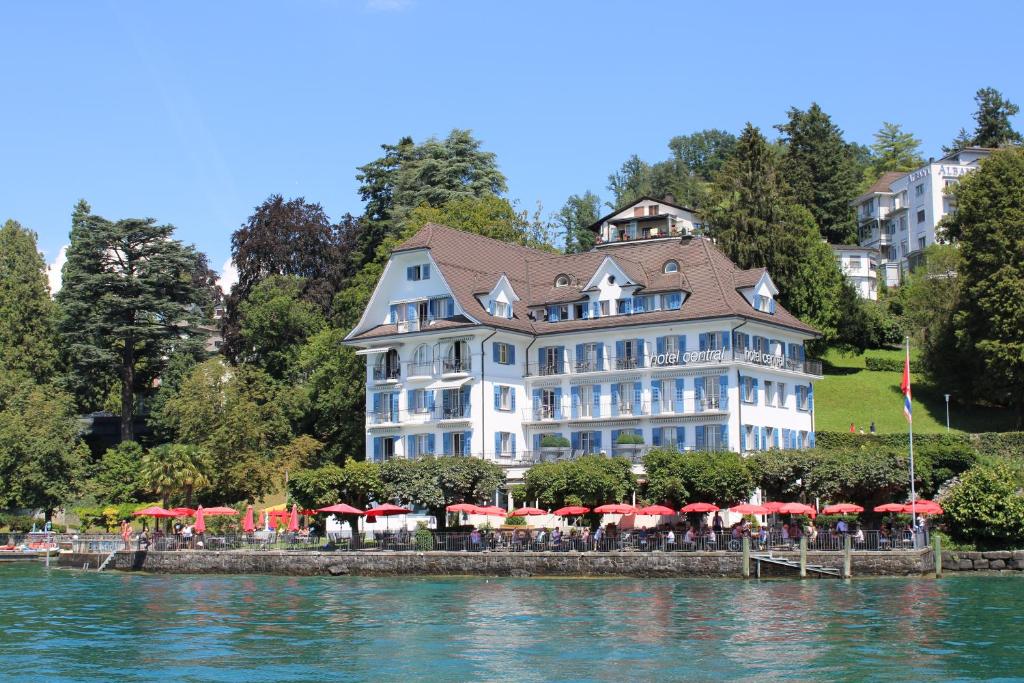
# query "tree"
(591, 480)
(241, 417)
(630, 182)
(274, 323)
(27, 314)
(127, 292)
(42, 457)
(821, 169)
(703, 153)
(290, 238)
(675, 478)
(357, 484)
(986, 508)
(992, 119)
(755, 222)
(894, 150)
(988, 226)
(436, 483)
(487, 215)
(118, 477)
(576, 215)
(336, 382)
(175, 471)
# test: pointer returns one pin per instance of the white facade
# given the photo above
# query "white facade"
(476, 389)
(899, 215)
(860, 266)
(645, 219)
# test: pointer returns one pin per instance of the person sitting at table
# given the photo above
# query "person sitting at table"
(474, 539)
(842, 527)
(520, 539)
(689, 538)
(556, 538)
(670, 539)
(711, 538)
(885, 537)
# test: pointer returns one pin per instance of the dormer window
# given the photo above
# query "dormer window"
(501, 309)
(562, 281)
(670, 267)
(415, 273)
(765, 304)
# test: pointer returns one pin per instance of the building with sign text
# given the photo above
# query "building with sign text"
(652, 339)
(900, 211)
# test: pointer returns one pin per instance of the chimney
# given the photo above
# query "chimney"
(669, 198)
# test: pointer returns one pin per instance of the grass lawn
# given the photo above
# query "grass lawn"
(850, 393)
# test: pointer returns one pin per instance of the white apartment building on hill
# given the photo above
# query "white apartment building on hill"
(860, 266)
(480, 348)
(899, 212)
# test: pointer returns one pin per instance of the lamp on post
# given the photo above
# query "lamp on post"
(947, 411)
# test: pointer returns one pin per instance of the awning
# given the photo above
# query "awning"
(370, 352)
(448, 383)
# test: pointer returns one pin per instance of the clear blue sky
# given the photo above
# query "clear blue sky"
(194, 112)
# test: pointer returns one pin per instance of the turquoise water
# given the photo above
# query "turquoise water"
(70, 625)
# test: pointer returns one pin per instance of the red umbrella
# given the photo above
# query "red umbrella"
(248, 524)
(656, 510)
(386, 510)
(842, 509)
(461, 507)
(797, 509)
(341, 509)
(571, 510)
(923, 507)
(700, 507)
(200, 525)
(183, 512)
(214, 511)
(154, 511)
(772, 506)
(293, 520)
(491, 510)
(527, 512)
(889, 507)
(616, 509)
(749, 509)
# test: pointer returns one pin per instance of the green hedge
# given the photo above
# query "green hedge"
(997, 444)
(883, 364)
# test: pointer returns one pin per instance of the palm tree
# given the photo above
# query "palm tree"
(172, 468)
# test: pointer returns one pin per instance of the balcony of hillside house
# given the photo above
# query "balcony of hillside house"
(640, 228)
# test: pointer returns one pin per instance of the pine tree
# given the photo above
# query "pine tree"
(993, 120)
(894, 150)
(28, 315)
(821, 169)
(127, 292)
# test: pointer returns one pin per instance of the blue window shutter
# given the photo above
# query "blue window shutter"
(703, 341)
(536, 443)
(394, 405)
(812, 439)
(494, 352)
(446, 399)
(597, 400)
(511, 354)
(615, 436)
(575, 398)
(659, 345)
(680, 387)
(785, 437)
(723, 436)
(467, 438)
(540, 357)
(656, 396)
(409, 272)
(771, 306)
(640, 354)
(600, 355)
(638, 389)
(597, 441)
(699, 436)
(725, 340)
(376, 404)
(755, 392)
(620, 349)
(810, 397)
(432, 308)
(410, 445)
(595, 309)
(698, 390)
(536, 399)
(377, 447)
(558, 404)
(723, 391)
(393, 315)
(681, 345)
(579, 353)
(430, 443)
(775, 437)
(512, 442)
(425, 271)
(680, 438)
(451, 307)
(760, 438)
(490, 307)
(497, 443)
(464, 396)
(560, 359)
(803, 353)
(512, 398)
(430, 399)
(497, 397)
(574, 440)
(656, 436)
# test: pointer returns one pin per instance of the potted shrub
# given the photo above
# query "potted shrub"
(553, 445)
(629, 443)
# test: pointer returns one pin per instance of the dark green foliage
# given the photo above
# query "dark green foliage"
(591, 480)
(822, 170)
(886, 364)
(703, 153)
(119, 475)
(986, 508)
(28, 316)
(436, 483)
(357, 484)
(629, 439)
(335, 379)
(554, 441)
(882, 327)
(894, 150)
(988, 227)
(992, 119)
(275, 322)
(676, 478)
(127, 291)
(576, 215)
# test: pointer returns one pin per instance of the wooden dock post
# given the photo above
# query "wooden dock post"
(803, 557)
(746, 557)
(937, 549)
(847, 557)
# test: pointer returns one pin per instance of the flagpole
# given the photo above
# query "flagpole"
(910, 429)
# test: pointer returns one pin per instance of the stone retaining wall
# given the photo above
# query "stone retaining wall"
(989, 560)
(657, 564)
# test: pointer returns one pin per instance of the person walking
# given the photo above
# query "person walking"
(126, 533)
(872, 427)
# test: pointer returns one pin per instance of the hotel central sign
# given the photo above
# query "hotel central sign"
(675, 358)
(761, 358)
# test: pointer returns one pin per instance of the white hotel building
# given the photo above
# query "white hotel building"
(481, 348)
(899, 212)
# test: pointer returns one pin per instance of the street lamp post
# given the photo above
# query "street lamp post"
(947, 412)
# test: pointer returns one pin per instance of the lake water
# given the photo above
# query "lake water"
(69, 625)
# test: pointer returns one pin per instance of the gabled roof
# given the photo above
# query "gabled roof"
(596, 226)
(883, 185)
(472, 265)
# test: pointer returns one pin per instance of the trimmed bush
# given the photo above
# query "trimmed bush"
(883, 364)
(629, 439)
(554, 441)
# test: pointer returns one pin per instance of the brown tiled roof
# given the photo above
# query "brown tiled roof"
(883, 184)
(472, 264)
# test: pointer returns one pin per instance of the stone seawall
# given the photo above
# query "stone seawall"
(643, 565)
(989, 560)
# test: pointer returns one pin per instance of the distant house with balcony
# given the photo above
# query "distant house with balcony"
(899, 212)
(860, 266)
(481, 348)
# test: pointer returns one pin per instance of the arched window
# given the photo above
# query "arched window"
(387, 366)
(421, 360)
(562, 281)
(670, 267)
(457, 358)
